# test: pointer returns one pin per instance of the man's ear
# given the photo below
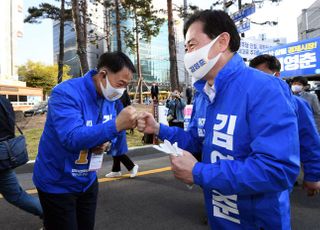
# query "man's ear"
(103, 72)
(224, 41)
(220, 46)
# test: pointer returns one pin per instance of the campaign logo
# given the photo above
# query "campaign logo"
(197, 65)
(201, 130)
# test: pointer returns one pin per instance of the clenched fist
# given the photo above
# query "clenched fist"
(127, 119)
(147, 123)
(105, 147)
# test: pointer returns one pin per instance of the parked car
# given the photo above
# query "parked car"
(40, 108)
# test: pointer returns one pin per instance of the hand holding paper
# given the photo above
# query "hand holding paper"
(182, 161)
(170, 149)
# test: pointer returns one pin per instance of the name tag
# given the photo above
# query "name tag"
(95, 162)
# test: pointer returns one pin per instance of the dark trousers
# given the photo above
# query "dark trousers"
(177, 124)
(70, 211)
(189, 100)
(125, 160)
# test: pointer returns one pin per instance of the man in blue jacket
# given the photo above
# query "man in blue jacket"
(82, 123)
(244, 123)
(308, 134)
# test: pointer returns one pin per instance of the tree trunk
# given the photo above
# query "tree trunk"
(107, 30)
(172, 50)
(61, 43)
(140, 79)
(80, 23)
(119, 47)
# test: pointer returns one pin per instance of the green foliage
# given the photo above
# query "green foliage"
(191, 9)
(32, 139)
(39, 75)
(46, 11)
(145, 19)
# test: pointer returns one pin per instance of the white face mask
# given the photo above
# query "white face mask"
(110, 93)
(197, 62)
(296, 88)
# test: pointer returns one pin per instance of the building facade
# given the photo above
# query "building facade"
(309, 22)
(11, 16)
(11, 27)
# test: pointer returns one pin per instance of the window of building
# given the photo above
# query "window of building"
(13, 98)
(23, 98)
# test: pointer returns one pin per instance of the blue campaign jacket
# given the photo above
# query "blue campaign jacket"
(78, 120)
(250, 148)
(309, 140)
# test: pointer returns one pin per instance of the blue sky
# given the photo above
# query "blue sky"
(37, 41)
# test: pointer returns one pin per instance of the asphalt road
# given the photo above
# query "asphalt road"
(152, 201)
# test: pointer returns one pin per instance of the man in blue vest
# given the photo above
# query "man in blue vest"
(308, 134)
(244, 123)
(84, 120)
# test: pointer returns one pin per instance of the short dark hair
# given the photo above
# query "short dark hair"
(214, 23)
(301, 80)
(271, 61)
(115, 61)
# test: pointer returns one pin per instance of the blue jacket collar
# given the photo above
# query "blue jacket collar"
(91, 88)
(226, 74)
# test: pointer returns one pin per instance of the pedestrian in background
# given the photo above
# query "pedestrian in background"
(298, 88)
(154, 91)
(175, 105)
(308, 134)
(189, 95)
(119, 151)
(9, 185)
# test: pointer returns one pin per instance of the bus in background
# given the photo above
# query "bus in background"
(146, 97)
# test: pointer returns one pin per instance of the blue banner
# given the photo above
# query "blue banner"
(244, 12)
(244, 26)
(298, 58)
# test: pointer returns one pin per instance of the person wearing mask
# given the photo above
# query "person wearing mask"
(308, 135)
(82, 123)
(250, 160)
(119, 152)
(9, 185)
(176, 105)
(298, 84)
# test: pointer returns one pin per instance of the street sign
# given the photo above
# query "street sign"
(244, 12)
(298, 58)
(243, 26)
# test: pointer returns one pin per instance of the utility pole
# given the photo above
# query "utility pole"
(119, 48)
(241, 21)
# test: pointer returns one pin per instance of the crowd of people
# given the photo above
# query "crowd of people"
(251, 131)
